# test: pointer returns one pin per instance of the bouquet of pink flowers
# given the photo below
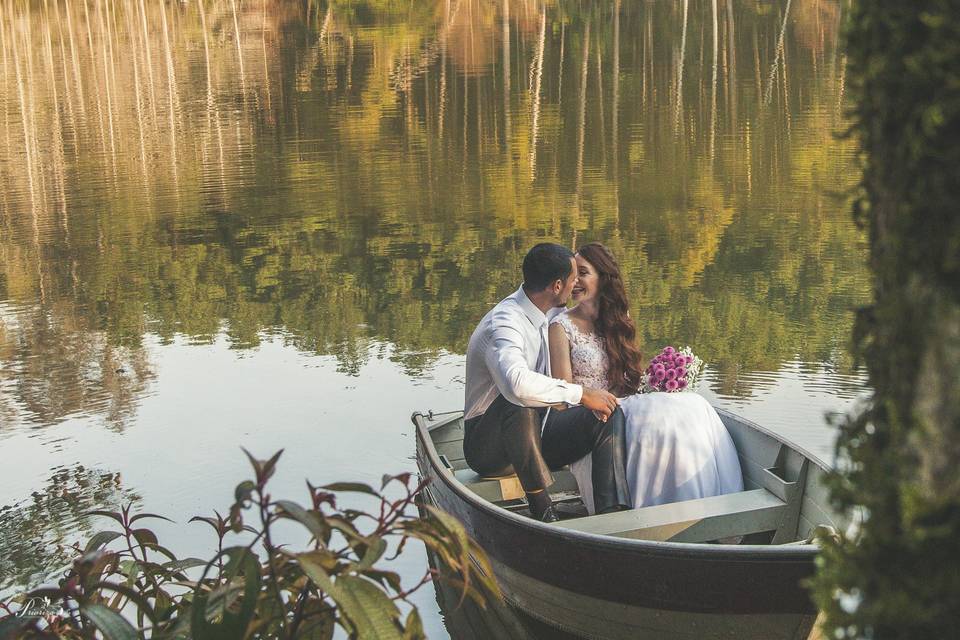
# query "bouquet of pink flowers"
(673, 370)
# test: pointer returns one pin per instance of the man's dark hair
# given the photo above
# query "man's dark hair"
(544, 264)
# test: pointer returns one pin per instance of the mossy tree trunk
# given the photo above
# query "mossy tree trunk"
(901, 577)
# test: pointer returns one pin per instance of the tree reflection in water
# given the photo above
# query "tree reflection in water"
(358, 170)
(35, 534)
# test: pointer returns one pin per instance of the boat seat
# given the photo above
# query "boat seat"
(505, 488)
(701, 520)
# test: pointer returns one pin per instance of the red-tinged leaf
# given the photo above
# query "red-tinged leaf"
(109, 514)
(242, 492)
(372, 615)
(270, 465)
(317, 625)
(385, 577)
(178, 566)
(141, 516)
(101, 539)
(373, 552)
(110, 623)
(413, 627)
(137, 598)
(347, 529)
(218, 525)
(356, 487)
(160, 549)
(144, 536)
(308, 519)
(317, 574)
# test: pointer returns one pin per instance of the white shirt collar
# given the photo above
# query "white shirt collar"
(536, 317)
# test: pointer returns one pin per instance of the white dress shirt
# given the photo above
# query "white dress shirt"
(508, 355)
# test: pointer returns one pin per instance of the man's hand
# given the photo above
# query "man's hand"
(601, 402)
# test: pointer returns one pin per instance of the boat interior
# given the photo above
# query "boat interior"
(783, 501)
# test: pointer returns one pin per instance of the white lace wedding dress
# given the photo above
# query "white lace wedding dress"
(677, 448)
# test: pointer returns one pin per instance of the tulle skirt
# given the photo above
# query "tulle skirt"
(677, 449)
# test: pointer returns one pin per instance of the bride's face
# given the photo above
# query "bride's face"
(587, 283)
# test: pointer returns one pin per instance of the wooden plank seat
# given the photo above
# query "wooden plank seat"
(504, 488)
(701, 520)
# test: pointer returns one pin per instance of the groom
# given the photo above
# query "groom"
(509, 391)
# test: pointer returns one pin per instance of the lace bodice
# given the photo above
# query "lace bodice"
(588, 358)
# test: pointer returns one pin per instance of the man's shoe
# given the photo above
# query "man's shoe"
(549, 515)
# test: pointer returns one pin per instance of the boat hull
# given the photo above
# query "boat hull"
(590, 586)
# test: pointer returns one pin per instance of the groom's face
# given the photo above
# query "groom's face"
(563, 288)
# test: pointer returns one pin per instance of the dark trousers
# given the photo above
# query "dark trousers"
(506, 439)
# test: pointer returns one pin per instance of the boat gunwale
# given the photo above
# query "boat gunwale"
(715, 552)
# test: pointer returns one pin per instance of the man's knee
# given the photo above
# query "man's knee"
(515, 412)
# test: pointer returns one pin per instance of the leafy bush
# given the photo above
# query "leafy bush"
(261, 589)
(898, 577)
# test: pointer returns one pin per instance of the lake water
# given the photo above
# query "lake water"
(275, 224)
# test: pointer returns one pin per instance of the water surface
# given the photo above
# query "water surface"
(275, 224)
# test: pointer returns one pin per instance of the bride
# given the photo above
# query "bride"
(676, 446)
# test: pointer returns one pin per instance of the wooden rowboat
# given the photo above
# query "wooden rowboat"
(655, 572)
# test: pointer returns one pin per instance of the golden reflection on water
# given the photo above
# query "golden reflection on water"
(361, 179)
(318, 168)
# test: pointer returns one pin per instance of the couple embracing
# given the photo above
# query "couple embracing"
(548, 386)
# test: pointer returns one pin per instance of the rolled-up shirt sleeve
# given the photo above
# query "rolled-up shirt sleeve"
(516, 381)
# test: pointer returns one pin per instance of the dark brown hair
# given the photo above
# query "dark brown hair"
(613, 322)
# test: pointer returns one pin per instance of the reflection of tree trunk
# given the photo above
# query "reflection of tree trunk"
(71, 109)
(24, 110)
(29, 147)
(96, 92)
(732, 72)
(758, 83)
(104, 45)
(615, 116)
(683, 52)
(563, 37)
(582, 118)
(443, 77)
(59, 164)
(615, 109)
(843, 78)
(603, 125)
(713, 85)
(536, 95)
(505, 37)
(786, 89)
(146, 48)
(236, 31)
(171, 87)
(646, 46)
(75, 62)
(213, 111)
(136, 96)
(3, 88)
(263, 51)
(768, 95)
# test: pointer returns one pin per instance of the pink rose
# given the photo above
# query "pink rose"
(672, 385)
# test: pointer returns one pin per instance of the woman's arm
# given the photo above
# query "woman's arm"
(560, 366)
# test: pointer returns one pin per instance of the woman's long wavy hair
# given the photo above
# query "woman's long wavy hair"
(613, 322)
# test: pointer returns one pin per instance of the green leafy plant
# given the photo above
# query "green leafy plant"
(125, 585)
